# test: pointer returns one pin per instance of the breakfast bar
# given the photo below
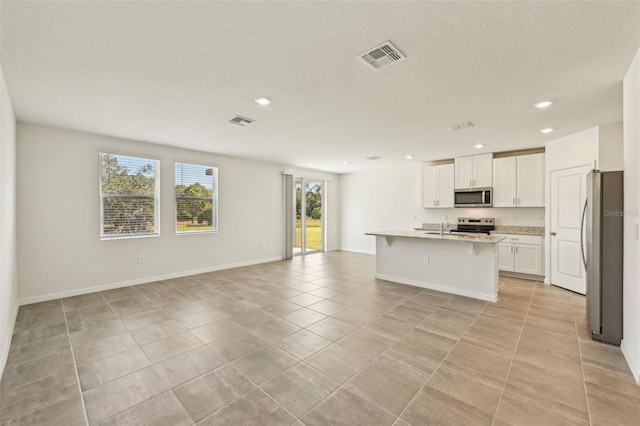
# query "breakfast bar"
(465, 265)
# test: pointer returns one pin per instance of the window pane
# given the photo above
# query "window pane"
(196, 198)
(129, 188)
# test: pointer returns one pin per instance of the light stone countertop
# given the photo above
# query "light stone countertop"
(434, 235)
(500, 229)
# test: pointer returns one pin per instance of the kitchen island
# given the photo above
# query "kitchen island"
(466, 265)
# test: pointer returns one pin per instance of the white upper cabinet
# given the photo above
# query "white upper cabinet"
(446, 185)
(437, 186)
(530, 180)
(504, 182)
(473, 171)
(463, 172)
(518, 181)
(482, 166)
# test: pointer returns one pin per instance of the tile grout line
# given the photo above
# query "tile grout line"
(584, 380)
(513, 356)
(372, 361)
(152, 365)
(426, 383)
(75, 365)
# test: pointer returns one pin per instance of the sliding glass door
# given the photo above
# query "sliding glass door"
(309, 232)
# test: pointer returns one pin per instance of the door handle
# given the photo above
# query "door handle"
(553, 234)
(584, 212)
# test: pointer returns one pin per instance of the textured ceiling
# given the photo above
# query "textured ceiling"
(176, 72)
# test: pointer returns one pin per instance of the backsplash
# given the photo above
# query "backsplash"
(504, 216)
(517, 230)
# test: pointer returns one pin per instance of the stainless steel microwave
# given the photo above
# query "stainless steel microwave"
(473, 197)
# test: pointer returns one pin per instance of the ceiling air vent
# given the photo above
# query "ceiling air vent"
(375, 157)
(381, 56)
(241, 121)
(460, 126)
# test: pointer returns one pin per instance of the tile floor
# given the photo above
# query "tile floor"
(314, 341)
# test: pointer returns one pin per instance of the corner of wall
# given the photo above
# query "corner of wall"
(8, 226)
(5, 344)
(633, 366)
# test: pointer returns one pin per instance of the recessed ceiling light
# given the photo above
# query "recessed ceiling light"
(345, 162)
(409, 157)
(478, 146)
(263, 101)
(542, 104)
(547, 130)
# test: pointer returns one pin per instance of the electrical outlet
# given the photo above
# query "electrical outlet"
(141, 259)
(425, 261)
(513, 219)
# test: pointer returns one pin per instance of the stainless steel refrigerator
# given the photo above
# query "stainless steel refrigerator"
(602, 254)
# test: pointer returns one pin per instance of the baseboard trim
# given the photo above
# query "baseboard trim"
(110, 286)
(521, 275)
(358, 251)
(6, 345)
(635, 368)
(440, 287)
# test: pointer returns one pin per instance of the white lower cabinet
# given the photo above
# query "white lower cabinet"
(521, 253)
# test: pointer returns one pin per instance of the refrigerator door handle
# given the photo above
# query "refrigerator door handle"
(584, 212)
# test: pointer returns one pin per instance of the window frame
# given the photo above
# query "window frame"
(156, 198)
(214, 199)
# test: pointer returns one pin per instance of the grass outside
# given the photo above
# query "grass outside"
(189, 226)
(314, 234)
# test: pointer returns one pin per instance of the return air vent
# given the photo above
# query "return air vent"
(375, 157)
(460, 126)
(381, 56)
(241, 121)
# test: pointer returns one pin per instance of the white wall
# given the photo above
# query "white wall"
(60, 252)
(568, 151)
(631, 280)
(598, 146)
(377, 200)
(390, 198)
(8, 232)
(610, 149)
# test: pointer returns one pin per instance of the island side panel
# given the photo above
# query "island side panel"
(452, 268)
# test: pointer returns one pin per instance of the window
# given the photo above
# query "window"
(196, 198)
(129, 196)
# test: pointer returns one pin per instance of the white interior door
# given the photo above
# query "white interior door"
(568, 194)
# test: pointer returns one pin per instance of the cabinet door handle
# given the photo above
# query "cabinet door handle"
(469, 183)
(514, 201)
(516, 249)
(434, 203)
(553, 234)
(518, 200)
(511, 249)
